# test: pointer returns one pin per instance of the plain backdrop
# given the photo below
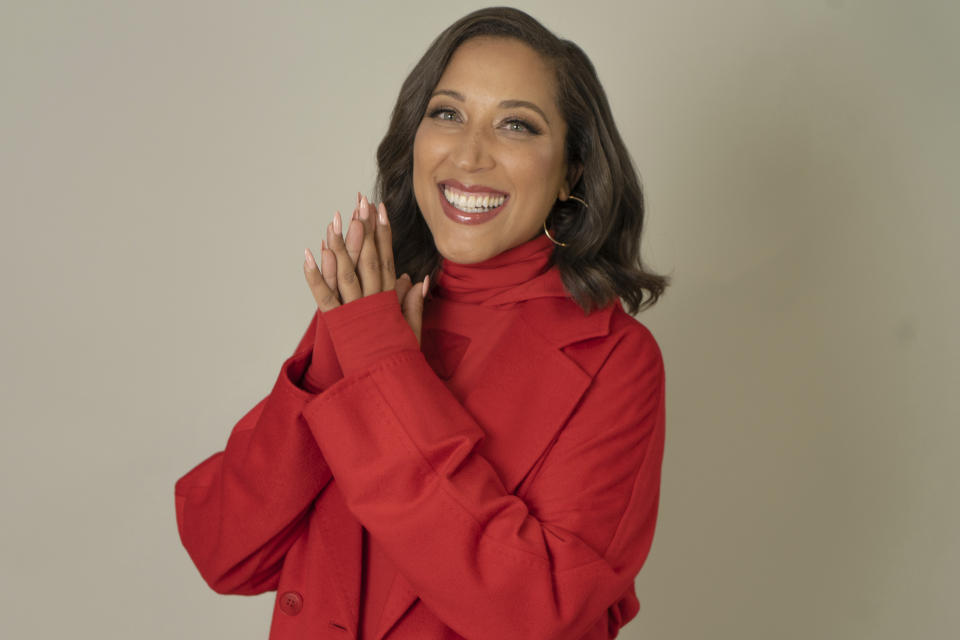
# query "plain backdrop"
(163, 165)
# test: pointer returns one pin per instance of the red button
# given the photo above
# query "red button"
(291, 603)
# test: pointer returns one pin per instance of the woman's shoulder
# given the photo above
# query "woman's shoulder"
(632, 331)
(636, 348)
(591, 339)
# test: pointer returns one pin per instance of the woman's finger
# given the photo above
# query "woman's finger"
(354, 239)
(347, 282)
(322, 295)
(403, 286)
(328, 267)
(384, 240)
(368, 266)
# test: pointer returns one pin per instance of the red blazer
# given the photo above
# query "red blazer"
(522, 507)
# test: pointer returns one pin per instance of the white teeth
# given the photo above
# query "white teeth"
(472, 203)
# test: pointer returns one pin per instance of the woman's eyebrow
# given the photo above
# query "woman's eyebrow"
(506, 104)
(510, 104)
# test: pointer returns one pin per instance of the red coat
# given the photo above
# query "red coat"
(520, 507)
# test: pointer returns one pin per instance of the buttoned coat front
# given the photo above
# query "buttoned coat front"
(520, 506)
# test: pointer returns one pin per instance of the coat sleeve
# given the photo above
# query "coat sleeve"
(488, 563)
(239, 511)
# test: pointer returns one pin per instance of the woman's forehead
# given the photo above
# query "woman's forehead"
(498, 68)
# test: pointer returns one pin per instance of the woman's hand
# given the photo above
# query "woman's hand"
(362, 265)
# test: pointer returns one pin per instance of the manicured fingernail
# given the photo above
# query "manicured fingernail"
(356, 214)
(426, 285)
(382, 213)
(358, 197)
(337, 223)
(364, 208)
(323, 245)
(308, 257)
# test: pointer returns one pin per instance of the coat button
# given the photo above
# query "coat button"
(291, 603)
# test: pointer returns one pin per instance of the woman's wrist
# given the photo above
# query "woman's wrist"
(324, 369)
(367, 330)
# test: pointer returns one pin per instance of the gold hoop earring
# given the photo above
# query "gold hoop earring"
(559, 244)
(580, 200)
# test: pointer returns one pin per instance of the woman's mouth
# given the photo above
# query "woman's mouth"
(470, 207)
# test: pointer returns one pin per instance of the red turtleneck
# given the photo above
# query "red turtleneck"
(520, 273)
(499, 481)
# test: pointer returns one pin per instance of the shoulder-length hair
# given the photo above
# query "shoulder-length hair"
(601, 259)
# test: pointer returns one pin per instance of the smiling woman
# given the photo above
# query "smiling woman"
(486, 136)
(476, 455)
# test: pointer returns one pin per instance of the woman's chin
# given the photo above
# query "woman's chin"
(465, 252)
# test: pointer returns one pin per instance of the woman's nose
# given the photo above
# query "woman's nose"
(472, 152)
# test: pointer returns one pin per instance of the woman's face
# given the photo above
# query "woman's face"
(488, 158)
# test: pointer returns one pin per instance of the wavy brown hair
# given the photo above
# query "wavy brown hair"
(602, 258)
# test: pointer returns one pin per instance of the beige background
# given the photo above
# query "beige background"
(163, 164)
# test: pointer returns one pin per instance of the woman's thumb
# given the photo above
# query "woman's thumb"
(413, 306)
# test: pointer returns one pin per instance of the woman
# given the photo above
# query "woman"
(478, 454)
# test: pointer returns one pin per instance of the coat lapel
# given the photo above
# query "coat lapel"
(528, 395)
(523, 406)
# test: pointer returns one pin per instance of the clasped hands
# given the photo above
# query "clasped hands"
(362, 265)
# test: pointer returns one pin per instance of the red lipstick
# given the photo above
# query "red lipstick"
(465, 217)
(477, 188)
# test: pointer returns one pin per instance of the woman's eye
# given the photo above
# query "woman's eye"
(444, 114)
(520, 126)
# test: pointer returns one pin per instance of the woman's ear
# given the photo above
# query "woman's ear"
(574, 172)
